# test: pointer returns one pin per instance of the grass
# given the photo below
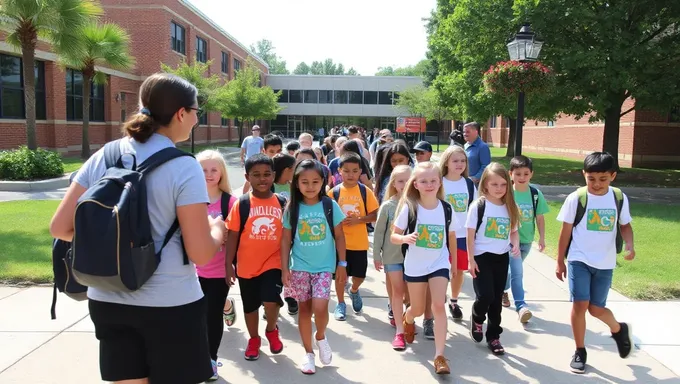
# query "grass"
(555, 170)
(653, 275)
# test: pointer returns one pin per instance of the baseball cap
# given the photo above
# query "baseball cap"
(422, 146)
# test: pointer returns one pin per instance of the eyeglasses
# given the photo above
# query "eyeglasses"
(198, 110)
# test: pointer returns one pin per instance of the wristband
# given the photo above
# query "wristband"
(342, 263)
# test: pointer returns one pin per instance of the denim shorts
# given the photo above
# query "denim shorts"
(589, 284)
(444, 272)
(393, 267)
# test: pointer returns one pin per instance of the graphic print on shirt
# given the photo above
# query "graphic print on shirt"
(264, 223)
(312, 230)
(459, 201)
(350, 210)
(497, 228)
(526, 212)
(430, 236)
(601, 220)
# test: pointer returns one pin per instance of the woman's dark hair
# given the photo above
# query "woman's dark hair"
(306, 151)
(351, 146)
(296, 197)
(281, 162)
(386, 166)
(380, 157)
(160, 97)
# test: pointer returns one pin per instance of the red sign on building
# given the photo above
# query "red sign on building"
(410, 124)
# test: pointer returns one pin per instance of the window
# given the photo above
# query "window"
(551, 123)
(340, 97)
(201, 50)
(225, 62)
(311, 97)
(356, 97)
(492, 122)
(385, 98)
(177, 41)
(371, 97)
(225, 122)
(74, 98)
(203, 119)
(237, 65)
(12, 89)
(325, 97)
(283, 98)
(295, 96)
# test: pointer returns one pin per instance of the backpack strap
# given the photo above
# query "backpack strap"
(168, 236)
(159, 158)
(448, 216)
(224, 204)
(534, 198)
(471, 190)
(412, 220)
(243, 211)
(112, 154)
(582, 195)
(282, 200)
(362, 191)
(336, 193)
(618, 197)
(481, 207)
(327, 205)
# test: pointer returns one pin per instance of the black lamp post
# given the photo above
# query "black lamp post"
(523, 48)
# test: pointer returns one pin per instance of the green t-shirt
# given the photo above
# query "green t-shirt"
(283, 190)
(527, 228)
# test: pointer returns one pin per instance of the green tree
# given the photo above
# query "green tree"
(425, 102)
(104, 45)
(58, 20)
(301, 69)
(419, 69)
(326, 67)
(266, 51)
(244, 99)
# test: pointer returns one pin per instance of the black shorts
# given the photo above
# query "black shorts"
(357, 263)
(265, 288)
(165, 344)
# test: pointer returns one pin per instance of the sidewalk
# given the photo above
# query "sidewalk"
(38, 350)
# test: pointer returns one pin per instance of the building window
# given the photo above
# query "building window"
(312, 97)
(201, 50)
(283, 98)
(325, 97)
(551, 123)
(340, 97)
(224, 122)
(225, 62)
(203, 119)
(177, 38)
(356, 97)
(237, 65)
(371, 97)
(12, 88)
(74, 98)
(295, 96)
(385, 98)
(492, 122)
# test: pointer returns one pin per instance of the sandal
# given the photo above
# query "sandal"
(230, 315)
(496, 347)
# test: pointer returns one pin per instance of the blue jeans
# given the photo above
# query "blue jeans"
(589, 284)
(516, 274)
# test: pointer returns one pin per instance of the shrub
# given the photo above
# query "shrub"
(24, 164)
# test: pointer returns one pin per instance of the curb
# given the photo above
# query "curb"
(34, 186)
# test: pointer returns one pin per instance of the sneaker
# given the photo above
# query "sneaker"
(253, 349)
(398, 343)
(308, 366)
(578, 361)
(275, 344)
(293, 307)
(496, 347)
(624, 340)
(357, 301)
(409, 331)
(340, 312)
(428, 328)
(215, 376)
(506, 300)
(441, 366)
(325, 352)
(390, 314)
(524, 315)
(476, 331)
(456, 313)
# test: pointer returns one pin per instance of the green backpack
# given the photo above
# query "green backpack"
(581, 211)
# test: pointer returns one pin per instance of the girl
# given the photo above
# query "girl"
(319, 155)
(492, 223)
(388, 256)
(308, 265)
(133, 327)
(212, 276)
(334, 166)
(283, 171)
(459, 191)
(397, 154)
(423, 213)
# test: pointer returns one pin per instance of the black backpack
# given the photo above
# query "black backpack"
(244, 213)
(448, 216)
(112, 244)
(327, 205)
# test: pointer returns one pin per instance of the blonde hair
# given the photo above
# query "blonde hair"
(391, 190)
(446, 157)
(509, 199)
(411, 195)
(306, 135)
(210, 154)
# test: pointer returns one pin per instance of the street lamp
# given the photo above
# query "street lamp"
(523, 48)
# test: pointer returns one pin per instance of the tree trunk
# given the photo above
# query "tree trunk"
(612, 125)
(85, 146)
(512, 133)
(28, 64)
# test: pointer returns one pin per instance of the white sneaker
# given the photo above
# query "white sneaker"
(308, 365)
(325, 352)
(524, 315)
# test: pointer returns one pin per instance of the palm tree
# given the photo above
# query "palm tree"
(57, 20)
(102, 45)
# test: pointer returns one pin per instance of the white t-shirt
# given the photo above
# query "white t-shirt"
(430, 253)
(594, 238)
(494, 233)
(456, 193)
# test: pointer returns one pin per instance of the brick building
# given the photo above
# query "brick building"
(161, 31)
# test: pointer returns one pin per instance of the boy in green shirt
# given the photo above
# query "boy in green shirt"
(532, 207)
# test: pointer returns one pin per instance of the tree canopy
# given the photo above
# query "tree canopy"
(265, 50)
(419, 69)
(326, 67)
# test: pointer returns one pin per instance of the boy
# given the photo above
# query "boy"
(306, 140)
(532, 207)
(360, 208)
(257, 243)
(423, 151)
(592, 219)
(292, 147)
(272, 146)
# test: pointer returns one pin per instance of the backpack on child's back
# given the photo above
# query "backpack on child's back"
(413, 219)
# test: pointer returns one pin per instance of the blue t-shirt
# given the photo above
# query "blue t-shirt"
(313, 248)
(253, 145)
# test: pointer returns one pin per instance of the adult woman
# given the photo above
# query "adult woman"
(157, 333)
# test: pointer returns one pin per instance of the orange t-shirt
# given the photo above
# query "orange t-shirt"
(260, 245)
(351, 203)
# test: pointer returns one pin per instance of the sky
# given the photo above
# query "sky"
(364, 34)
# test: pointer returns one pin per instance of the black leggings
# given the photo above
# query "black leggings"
(215, 291)
(489, 286)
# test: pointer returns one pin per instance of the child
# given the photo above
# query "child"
(460, 191)
(397, 154)
(425, 225)
(388, 256)
(423, 151)
(319, 155)
(532, 207)
(595, 222)
(272, 146)
(312, 224)
(349, 146)
(283, 173)
(254, 240)
(292, 146)
(309, 154)
(220, 310)
(497, 215)
(306, 140)
(360, 208)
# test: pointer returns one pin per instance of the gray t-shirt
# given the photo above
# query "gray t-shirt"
(253, 145)
(176, 183)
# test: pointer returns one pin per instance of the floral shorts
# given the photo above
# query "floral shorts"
(305, 285)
